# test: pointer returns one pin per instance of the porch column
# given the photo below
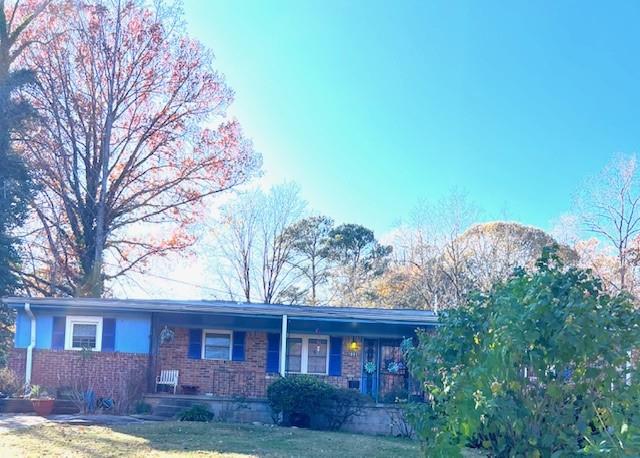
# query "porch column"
(283, 346)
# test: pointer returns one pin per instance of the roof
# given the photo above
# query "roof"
(399, 316)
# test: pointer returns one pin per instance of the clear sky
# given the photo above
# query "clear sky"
(371, 106)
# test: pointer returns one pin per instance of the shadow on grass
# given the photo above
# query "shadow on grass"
(251, 440)
(73, 440)
(196, 439)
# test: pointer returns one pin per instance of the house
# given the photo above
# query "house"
(220, 349)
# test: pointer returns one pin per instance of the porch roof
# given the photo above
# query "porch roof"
(416, 318)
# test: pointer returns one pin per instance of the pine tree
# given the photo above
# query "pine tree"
(16, 185)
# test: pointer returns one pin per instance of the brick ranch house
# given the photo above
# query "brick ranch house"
(220, 349)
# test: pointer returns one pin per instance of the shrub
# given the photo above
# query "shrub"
(298, 398)
(10, 384)
(399, 422)
(141, 407)
(196, 413)
(539, 366)
(343, 404)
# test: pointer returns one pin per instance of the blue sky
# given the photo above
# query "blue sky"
(372, 106)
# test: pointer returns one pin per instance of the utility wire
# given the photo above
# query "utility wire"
(182, 282)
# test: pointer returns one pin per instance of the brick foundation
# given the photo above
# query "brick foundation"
(238, 378)
(104, 372)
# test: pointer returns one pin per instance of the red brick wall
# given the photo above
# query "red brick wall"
(103, 372)
(238, 378)
(16, 361)
(222, 378)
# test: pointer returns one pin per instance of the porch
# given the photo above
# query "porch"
(237, 356)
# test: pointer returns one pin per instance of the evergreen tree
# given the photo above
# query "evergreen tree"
(16, 186)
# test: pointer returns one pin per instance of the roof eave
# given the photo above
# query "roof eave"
(275, 311)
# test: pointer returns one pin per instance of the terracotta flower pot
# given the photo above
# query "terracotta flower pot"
(43, 407)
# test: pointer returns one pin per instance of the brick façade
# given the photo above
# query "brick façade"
(246, 378)
(103, 372)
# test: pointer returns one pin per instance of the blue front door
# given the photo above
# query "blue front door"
(370, 367)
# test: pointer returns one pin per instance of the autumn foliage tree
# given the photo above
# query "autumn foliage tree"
(133, 137)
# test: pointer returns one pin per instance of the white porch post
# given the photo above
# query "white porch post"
(283, 346)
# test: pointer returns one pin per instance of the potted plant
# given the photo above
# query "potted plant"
(41, 401)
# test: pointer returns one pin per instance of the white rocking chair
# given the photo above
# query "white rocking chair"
(169, 378)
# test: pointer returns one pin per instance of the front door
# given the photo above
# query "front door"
(370, 361)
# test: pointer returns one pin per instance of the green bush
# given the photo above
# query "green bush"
(540, 366)
(300, 399)
(10, 384)
(297, 398)
(343, 404)
(196, 413)
(141, 407)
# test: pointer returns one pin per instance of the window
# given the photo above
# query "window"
(294, 354)
(307, 354)
(216, 344)
(83, 332)
(317, 362)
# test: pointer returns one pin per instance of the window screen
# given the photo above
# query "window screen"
(317, 359)
(84, 335)
(294, 354)
(217, 345)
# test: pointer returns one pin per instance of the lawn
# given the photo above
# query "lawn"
(197, 439)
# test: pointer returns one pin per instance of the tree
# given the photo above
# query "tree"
(253, 240)
(496, 249)
(310, 249)
(360, 258)
(237, 242)
(16, 185)
(441, 252)
(609, 208)
(281, 208)
(123, 160)
(524, 371)
(427, 276)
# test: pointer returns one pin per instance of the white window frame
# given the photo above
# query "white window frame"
(304, 363)
(216, 331)
(68, 331)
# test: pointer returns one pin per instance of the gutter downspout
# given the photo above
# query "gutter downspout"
(32, 344)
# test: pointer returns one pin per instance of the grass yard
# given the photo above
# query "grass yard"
(197, 439)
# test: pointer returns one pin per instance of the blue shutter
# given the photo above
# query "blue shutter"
(273, 352)
(335, 356)
(195, 344)
(108, 334)
(237, 353)
(57, 337)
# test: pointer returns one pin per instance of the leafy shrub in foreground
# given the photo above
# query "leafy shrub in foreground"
(540, 366)
(196, 413)
(300, 398)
